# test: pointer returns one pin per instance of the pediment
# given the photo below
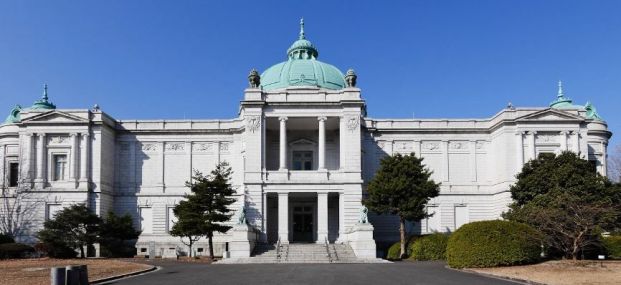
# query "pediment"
(550, 115)
(55, 117)
(302, 142)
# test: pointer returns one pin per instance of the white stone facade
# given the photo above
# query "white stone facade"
(301, 156)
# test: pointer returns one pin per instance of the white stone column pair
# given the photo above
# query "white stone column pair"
(321, 164)
(41, 155)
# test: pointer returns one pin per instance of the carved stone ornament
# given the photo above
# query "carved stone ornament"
(201, 147)
(352, 123)
(431, 145)
(546, 138)
(351, 78)
(480, 145)
(58, 140)
(224, 146)
(253, 123)
(175, 146)
(457, 145)
(149, 147)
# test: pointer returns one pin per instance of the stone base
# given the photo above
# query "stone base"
(242, 243)
(360, 238)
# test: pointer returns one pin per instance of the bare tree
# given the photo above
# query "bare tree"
(18, 209)
(614, 164)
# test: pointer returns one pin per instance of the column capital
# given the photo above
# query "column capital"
(73, 135)
(564, 132)
(86, 135)
(520, 133)
(283, 118)
(322, 118)
(532, 132)
(41, 135)
(28, 134)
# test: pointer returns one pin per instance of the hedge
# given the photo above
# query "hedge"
(4, 238)
(394, 251)
(429, 247)
(15, 250)
(612, 244)
(493, 243)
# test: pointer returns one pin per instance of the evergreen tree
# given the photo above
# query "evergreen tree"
(403, 187)
(74, 227)
(115, 232)
(206, 208)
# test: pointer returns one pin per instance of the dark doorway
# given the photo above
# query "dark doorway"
(303, 223)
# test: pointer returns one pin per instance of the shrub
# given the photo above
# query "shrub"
(4, 238)
(15, 250)
(59, 250)
(612, 244)
(493, 243)
(394, 251)
(430, 247)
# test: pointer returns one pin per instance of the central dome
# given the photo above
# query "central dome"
(302, 69)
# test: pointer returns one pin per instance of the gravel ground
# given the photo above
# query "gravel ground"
(37, 271)
(563, 272)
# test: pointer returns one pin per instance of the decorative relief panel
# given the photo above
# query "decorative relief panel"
(202, 147)
(175, 147)
(481, 145)
(149, 147)
(253, 123)
(458, 145)
(55, 140)
(224, 146)
(546, 138)
(403, 146)
(430, 146)
(352, 123)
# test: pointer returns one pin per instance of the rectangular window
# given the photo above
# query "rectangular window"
(60, 167)
(461, 216)
(52, 210)
(172, 219)
(146, 220)
(433, 222)
(302, 160)
(13, 174)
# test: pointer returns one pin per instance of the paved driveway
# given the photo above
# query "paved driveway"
(178, 273)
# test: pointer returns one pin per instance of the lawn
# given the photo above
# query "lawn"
(564, 272)
(37, 271)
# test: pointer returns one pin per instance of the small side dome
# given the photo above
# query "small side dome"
(43, 103)
(302, 69)
(563, 102)
(14, 116)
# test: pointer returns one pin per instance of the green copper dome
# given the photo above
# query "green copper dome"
(44, 102)
(302, 69)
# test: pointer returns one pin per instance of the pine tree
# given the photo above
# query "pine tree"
(74, 227)
(403, 187)
(206, 209)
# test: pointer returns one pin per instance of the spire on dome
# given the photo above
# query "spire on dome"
(560, 90)
(302, 36)
(44, 102)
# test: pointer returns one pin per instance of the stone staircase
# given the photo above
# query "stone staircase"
(301, 253)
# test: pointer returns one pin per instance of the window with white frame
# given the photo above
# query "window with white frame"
(60, 167)
(302, 160)
(146, 220)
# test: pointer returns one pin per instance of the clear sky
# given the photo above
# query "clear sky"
(427, 59)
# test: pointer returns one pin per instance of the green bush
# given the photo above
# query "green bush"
(394, 251)
(15, 250)
(429, 247)
(612, 244)
(493, 243)
(4, 238)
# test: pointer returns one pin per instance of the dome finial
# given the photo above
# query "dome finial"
(560, 90)
(44, 97)
(302, 36)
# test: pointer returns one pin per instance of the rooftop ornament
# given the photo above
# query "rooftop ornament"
(254, 80)
(351, 78)
(43, 103)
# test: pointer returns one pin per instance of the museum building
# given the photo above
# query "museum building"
(302, 151)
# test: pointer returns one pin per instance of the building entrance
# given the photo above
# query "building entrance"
(303, 222)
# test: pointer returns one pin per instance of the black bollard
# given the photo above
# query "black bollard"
(73, 275)
(57, 276)
(83, 275)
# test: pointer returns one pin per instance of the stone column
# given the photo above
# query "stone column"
(533, 147)
(445, 161)
(84, 160)
(322, 143)
(564, 140)
(604, 160)
(473, 161)
(417, 149)
(341, 217)
(520, 150)
(264, 218)
(283, 143)
(575, 142)
(322, 216)
(3, 173)
(283, 217)
(40, 159)
(73, 162)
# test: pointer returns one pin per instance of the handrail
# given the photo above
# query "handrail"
(328, 249)
(278, 249)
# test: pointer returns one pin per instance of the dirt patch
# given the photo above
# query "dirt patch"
(562, 272)
(37, 271)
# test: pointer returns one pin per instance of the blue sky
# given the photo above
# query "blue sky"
(428, 59)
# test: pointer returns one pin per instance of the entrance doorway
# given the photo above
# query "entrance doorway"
(303, 222)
